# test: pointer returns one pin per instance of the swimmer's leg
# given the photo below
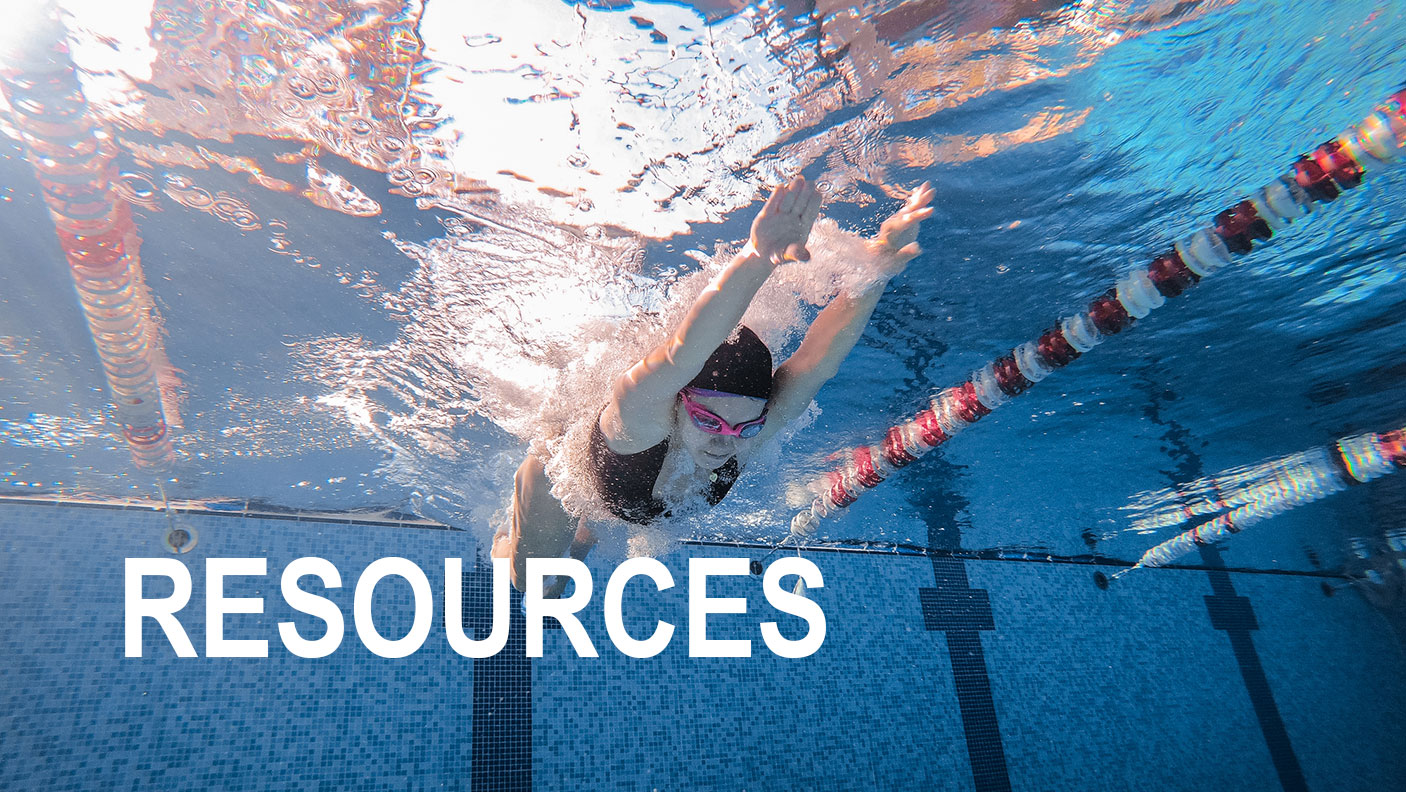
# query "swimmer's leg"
(582, 542)
(581, 545)
(541, 528)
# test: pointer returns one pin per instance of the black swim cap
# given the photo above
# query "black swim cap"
(741, 365)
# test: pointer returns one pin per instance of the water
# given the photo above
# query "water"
(389, 245)
(413, 225)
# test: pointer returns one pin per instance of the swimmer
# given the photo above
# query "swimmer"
(682, 423)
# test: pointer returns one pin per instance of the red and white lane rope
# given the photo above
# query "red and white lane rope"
(1316, 178)
(1314, 475)
(75, 168)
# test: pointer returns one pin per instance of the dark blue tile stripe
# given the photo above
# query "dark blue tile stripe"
(1228, 611)
(1234, 615)
(984, 748)
(962, 612)
(502, 709)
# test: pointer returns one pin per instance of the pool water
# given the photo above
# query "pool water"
(379, 241)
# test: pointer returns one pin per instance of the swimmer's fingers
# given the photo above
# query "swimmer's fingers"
(902, 228)
(896, 244)
(773, 202)
(912, 216)
(917, 208)
(921, 197)
(917, 216)
(790, 192)
(919, 205)
(807, 209)
(811, 211)
(781, 229)
(764, 224)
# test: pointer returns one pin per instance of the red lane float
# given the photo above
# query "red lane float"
(75, 169)
(1319, 177)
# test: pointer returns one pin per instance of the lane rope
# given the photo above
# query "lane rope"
(1313, 179)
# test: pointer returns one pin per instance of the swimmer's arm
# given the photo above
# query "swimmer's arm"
(640, 412)
(827, 343)
(837, 329)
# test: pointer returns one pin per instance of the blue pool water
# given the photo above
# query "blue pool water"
(371, 234)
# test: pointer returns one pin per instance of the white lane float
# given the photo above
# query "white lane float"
(1314, 179)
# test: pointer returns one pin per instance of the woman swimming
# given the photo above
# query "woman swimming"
(682, 423)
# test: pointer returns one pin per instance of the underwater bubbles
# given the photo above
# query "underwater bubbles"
(328, 84)
(290, 108)
(482, 40)
(360, 126)
(300, 86)
(235, 212)
(137, 189)
(183, 192)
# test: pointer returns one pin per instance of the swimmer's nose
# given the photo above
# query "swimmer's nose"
(720, 445)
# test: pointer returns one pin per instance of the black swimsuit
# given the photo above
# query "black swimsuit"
(626, 481)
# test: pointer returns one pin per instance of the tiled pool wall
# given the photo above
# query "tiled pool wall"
(936, 673)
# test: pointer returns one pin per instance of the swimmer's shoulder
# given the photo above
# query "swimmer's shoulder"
(629, 426)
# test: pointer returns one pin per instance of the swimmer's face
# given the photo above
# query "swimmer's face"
(710, 451)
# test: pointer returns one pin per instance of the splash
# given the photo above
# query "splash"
(518, 325)
(779, 314)
(559, 135)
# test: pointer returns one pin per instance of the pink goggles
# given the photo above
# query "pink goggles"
(708, 422)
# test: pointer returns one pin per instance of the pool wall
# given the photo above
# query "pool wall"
(936, 673)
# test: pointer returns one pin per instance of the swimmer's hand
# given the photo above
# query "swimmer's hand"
(781, 229)
(896, 243)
